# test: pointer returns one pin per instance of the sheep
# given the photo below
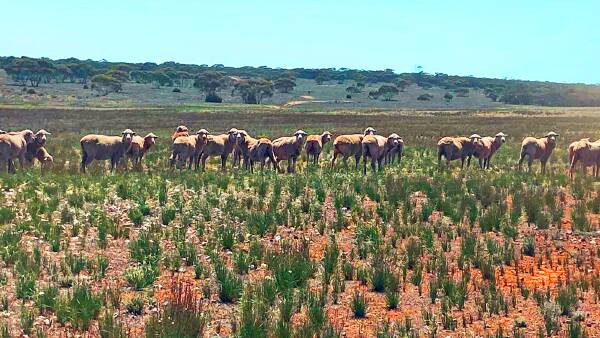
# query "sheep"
(13, 145)
(376, 147)
(288, 148)
(39, 140)
(180, 131)
(314, 145)
(44, 157)
(487, 148)
(587, 152)
(349, 145)
(397, 151)
(188, 148)
(139, 147)
(537, 148)
(236, 153)
(219, 145)
(454, 148)
(102, 147)
(254, 150)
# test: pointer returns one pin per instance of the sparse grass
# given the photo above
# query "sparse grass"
(295, 245)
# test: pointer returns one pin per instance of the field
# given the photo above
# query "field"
(414, 250)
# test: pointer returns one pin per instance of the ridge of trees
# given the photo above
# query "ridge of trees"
(255, 83)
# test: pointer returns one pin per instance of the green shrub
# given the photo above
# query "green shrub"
(84, 306)
(230, 287)
(45, 300)
(359, 305)
(529, 246)
(25, 286)
(140, 277)
(135, 305)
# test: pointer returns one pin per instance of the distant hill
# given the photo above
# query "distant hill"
(182, 83)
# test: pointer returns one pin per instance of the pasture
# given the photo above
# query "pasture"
(414, 250)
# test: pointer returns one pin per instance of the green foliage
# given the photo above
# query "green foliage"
(359, 305)
(140, 277)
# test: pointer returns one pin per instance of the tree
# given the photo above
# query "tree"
(448, 97)
(322, 77)
(284, 84)
(119, 75)
(81, 71)
(160, 79)
(62, 73)
(425, 97)
(254, 90)
(374, 95)
(105, 84)
(24, 70)
(209, 82)
(352, 90)
(388, 92)
(402, 84)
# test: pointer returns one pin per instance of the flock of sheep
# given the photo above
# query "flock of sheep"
(189, 150)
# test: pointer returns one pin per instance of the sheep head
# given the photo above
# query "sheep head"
(28, 135)
(181, 129)
(325, 137)
(475, 138)
(241, 136)
(203, 134)
(501, 137)
(393, 140)
(127, 136)
(370, 131)
(300, 134)
(551, 137)
(232, 134)
(41, 136)
(149, 140)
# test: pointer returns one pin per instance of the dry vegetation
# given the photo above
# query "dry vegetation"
(410, 251)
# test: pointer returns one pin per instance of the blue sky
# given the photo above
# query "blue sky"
(527, 39)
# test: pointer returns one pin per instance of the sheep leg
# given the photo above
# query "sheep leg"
(364, 165)
(10, 166)
(357, 158)
(335, 154)
(262, 165)
(204, 157)
(172, 159)
(572, 167)
(481, 163)
(223, 161)
(316, 158)
(469, 161)
(530, 163)
(373, 164)
(379, 160)
(521, 159)
(462, 163)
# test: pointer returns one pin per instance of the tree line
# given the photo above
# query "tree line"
(253, 84)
